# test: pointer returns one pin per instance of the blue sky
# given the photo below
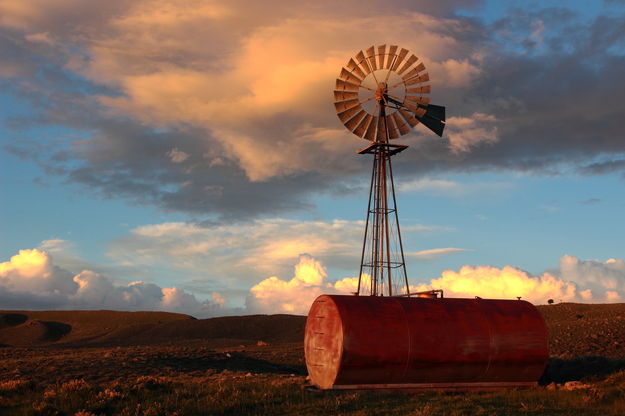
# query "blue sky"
(154, 143)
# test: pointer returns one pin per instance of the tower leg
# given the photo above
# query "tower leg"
(382, 257)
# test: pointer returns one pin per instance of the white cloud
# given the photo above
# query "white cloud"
(311, 280)
(54, 245)
(31, 280)
(448, 188)
(464, 133)
(435, 253)
(31, 277)
(501, 283)
(243, 253)
(575, 280)
(177, 156)
(32, 271)
(429, 184)
(606, 280)
(274, 295)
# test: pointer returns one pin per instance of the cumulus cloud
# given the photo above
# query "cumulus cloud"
(31, 280)
(465, 133)
(297, 294)
(602, 280)
(501, 283)
(575, 281)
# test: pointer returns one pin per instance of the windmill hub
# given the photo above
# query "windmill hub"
(380, 93)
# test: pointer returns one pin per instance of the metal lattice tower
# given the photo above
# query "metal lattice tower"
(378, 97)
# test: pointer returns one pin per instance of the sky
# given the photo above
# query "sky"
(186, 156)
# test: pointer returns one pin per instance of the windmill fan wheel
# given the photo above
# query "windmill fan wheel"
(382, 92)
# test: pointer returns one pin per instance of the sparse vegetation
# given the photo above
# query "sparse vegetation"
(244, 394)
(168, 369)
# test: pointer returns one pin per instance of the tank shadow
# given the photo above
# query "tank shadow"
(235, 362)
(561, 371)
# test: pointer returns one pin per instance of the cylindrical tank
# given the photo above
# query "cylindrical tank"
(374, 341)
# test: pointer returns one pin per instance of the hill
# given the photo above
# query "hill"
(575, 330)
(30, 328)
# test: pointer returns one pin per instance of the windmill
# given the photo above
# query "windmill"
(380, 95)
(393, 340)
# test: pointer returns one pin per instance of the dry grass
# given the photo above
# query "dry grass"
(226, 374)
(240, 394)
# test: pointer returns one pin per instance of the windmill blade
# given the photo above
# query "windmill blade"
(344, 85)
(355, 69)
(435, 124)
(362, 61)
(363, 125)
(418, 99)
(408, 117)
(391, 56)
(347, 114)
(393, 133)
(346, 105)
(407, 108)
(345, 95)
(349, 77)
(400, 123)
(370, 134)
(414, 108)
(371, 58)
(402, 54)
(407, 64)
(353, 122)
(418, 80)
(426, 89)
(381, 56)
(414, 71)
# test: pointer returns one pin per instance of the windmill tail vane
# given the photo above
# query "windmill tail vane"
(379, 96)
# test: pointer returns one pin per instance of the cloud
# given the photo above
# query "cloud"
(501, 283)
(30, 280)
(162, 120)
(295, 296)
(590, 201)
(242, 253)
(55, 245)
(464, 133)
(435, 253)
(449, 188)
(177, 156)
(605, 280)
(575, 280)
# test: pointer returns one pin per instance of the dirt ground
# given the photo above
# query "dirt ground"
(585, 340)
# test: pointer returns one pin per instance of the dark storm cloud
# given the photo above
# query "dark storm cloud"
(547, 88)
(558, 107)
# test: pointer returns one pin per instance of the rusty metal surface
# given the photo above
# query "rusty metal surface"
(373, 340)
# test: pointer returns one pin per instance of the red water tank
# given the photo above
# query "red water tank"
(395, 342)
